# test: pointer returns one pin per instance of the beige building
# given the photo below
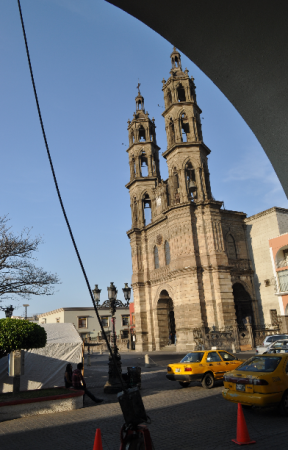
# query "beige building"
(86, 322)
(261, 227)
(191, 267)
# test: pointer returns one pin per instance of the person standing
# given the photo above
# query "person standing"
(68, 376)
(79, 383)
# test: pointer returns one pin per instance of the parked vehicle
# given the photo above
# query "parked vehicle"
(280, 346)
(260, 381)
(205, 366)
(269, 340)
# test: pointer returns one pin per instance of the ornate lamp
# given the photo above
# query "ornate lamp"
(113, 384)
(96, 294)
(127, 293)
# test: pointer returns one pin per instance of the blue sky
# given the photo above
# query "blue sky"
(87, 58)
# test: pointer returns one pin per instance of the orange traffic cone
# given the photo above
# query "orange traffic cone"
(98, 440)
(242, 431)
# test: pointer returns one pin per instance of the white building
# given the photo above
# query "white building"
(261, 228)
(85, 320)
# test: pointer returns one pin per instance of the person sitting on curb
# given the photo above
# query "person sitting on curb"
(79, 383)
(68, 376)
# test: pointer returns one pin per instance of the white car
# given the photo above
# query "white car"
(280, 346)
(269, 340)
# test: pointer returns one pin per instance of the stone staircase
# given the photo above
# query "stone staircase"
(168, 348)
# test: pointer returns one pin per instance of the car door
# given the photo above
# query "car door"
(215, 364)
(230, 362)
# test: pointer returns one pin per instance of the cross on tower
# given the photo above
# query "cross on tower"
(138, 87)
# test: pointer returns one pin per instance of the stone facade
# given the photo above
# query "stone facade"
(189, 256)
(260, 228)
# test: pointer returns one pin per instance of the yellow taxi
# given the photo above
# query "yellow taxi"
(260, 381)
(205, 366)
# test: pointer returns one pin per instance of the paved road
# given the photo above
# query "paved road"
(191, 418)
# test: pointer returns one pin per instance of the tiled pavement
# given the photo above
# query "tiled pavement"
(191, 418)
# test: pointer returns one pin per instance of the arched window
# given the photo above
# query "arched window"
(142, 135)
(147, 209)
(184, 127)
(135, 214)
(176, 186)
(156, 258)
(133, 165)
(207, 180)
(169, 98)
(181, 93)
(167, 253)
(190, 180)
(171, 131)
(131, 138)
(144, 165)
(231, 247)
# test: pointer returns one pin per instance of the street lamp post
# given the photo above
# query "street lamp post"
(113, 385)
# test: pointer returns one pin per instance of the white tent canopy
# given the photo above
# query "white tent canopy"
(45, 367)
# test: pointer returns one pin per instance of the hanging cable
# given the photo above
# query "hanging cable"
(60, 199)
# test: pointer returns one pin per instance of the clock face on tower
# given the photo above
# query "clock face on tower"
(158, 201)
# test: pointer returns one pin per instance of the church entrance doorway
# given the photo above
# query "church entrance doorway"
(243, 304)
(166, 319)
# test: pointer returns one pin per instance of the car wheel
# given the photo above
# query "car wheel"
(284, 404)
(208, 381)
(184, 384)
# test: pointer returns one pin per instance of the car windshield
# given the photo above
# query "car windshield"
(276, 338)
(279, 344)
(260, 364)
(193, 357)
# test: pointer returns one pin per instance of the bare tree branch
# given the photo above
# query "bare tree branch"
(18, 275)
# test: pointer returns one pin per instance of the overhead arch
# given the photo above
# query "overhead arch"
(163, 287)
(257, 30)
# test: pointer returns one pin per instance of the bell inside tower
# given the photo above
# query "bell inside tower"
(184, 127)
(144, 165)
(181, 93)
(190, 181)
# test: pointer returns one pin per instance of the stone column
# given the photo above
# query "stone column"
(250, 331)
(236, 337)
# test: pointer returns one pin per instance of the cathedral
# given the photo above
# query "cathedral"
(191, 268)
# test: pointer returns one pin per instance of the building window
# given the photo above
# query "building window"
(147, 209)
(43, 321)
(58, 320)
(231, 247)
(82, 322)
(167, 253)
(267, 283)
(125, 321)
(124, 334)
(190, 181)
(105, 321)
(283, 280)
(144, 165)
(156, 257)
(274, 318)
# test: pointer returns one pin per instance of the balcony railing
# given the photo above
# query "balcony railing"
(283, 287)
(281, 263)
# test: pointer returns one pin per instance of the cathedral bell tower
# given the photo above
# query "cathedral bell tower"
(186, 153)
(189, 255)
(144, 163)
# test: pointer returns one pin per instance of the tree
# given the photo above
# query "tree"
(18, 275)
(18, 334)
